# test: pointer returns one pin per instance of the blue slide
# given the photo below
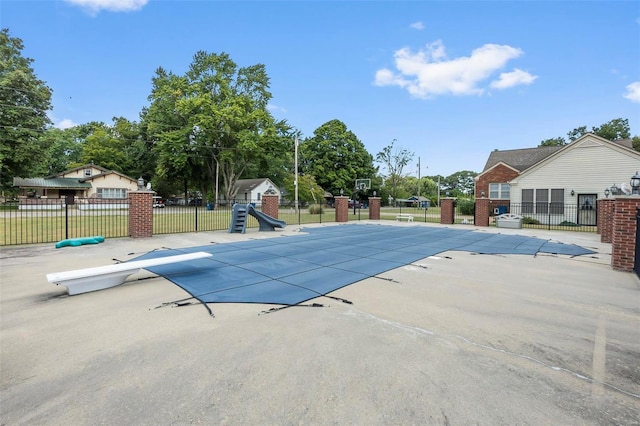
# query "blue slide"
(239, 219)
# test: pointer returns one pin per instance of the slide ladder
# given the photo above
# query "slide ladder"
(238, 219)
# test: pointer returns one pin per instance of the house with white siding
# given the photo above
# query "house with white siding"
(251, 190)
(564, 185)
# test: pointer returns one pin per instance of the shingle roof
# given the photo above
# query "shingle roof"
(247, 185)
(520, 159)
(60, 183)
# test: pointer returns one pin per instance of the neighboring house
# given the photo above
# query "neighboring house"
(251, 190)
(414, 201)
(557, 184)
(86, 182)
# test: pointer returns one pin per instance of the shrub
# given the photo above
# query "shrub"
(530, 221)
(466, 207)
(567, 223)
(316, 209)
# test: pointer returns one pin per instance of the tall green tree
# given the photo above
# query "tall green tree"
(24, 102)
(213, 121)
(614, 130)
(336, 158)
(394, 159)
(62, 149)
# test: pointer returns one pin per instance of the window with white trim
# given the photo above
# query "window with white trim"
(112, 193)
(543, 201)
(499, 191)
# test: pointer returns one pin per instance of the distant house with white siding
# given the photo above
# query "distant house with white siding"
(251, 190)
(558, 184)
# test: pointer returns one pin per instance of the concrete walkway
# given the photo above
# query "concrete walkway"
(458, 338)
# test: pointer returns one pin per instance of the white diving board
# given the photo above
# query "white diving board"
(100, 277)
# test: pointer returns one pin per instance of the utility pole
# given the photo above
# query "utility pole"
(295, 181)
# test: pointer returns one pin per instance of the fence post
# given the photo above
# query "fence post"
(374, 208)
(140, 214)
(342, 208)
(481, 212)
(447, 211)
(623, 238)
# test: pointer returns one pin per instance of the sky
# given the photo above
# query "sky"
(449, 81)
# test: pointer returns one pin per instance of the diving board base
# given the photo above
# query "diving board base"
(102, 277)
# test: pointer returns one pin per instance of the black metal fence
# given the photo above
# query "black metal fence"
(38, 220)
(554, 216)
(45, 220)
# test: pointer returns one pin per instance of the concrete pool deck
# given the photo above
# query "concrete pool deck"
(457, 338)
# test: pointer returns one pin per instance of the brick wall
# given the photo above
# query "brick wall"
(270, 205)
(342, 209)
(140, 214)
(499, 174)
(623, 237)
(447, 211)
(604, 219)
(374, 208)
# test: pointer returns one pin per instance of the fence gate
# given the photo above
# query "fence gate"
(636, 264)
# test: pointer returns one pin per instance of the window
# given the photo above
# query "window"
(527, 201)
(557, 201)
(541, 204)
(499, 191)
(542, 201)
(112, 193)
(87, 172)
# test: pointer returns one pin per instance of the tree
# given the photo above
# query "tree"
(24, 102)
(460, 183)
(635, 141)
(394, 159)
(62, 148)
(212, 121)
(614, 130)
(559, 141)
(336, 158)
(308, 189)
(577, 133)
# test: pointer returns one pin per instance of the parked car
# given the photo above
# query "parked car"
(357, 204)
(158, 202)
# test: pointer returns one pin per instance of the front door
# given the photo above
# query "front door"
(587, 209)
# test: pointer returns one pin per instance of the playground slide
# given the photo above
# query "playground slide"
(239, 219)
(266, 222)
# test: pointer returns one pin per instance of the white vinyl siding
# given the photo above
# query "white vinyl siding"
(588, 167)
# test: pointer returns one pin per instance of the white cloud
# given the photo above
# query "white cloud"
(417, 26)
(275, 108)
(633, 92)
(65, 124)
(513, 78)
(95, 6)
(429, 72)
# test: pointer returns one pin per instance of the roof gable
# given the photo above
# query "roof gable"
(520, 159)
(586, 141)
(248, 185)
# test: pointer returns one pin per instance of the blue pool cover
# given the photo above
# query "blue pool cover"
(290, 270)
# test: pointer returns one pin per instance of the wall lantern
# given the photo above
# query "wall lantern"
(482, 194)
(635, 184)
(140, 183)
(614, 190)
(606, 192)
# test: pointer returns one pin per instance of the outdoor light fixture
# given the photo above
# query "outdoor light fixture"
(375, 193)
(606, 192)
(573, 192)
(614, 189)
(635, 184)
(482, 194)
(341, 192)
(140, 183)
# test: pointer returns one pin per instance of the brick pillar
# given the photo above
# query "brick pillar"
(374, 208)
(447, 211)
(623, 237)
(140, 214)
(605, 219)
(270, 205)
(483, 209)
(342, 209)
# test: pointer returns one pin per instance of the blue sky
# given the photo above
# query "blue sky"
(450, 81)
